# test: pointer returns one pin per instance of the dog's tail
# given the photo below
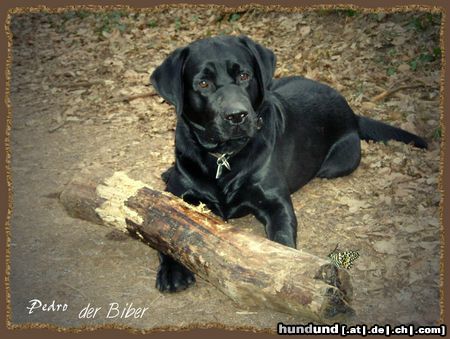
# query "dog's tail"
(370, 129)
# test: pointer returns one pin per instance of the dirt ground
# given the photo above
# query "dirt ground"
(69, 75)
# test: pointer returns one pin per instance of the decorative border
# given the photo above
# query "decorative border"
(226, 9)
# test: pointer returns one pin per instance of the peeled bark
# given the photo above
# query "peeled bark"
(251, 270)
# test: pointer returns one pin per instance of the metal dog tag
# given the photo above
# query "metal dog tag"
(221, 162)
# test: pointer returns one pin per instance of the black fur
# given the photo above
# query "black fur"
(278, 134)
(370, 129)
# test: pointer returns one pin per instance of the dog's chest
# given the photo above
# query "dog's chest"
(226, 202)
(229, 211)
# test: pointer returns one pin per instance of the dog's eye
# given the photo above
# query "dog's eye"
(243, 76)
(203, 84)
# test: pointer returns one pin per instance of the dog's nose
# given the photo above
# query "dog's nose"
(236, 118)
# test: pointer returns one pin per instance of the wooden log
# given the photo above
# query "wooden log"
(251, 270)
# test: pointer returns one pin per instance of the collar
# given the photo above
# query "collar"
(222, 158)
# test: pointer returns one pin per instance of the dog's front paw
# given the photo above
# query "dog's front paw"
(173, 277)
(165, 176)
(284, 239)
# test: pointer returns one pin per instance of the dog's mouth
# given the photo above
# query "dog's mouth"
(231, 139)
(230, 145)
(222, 138)
(237, 132)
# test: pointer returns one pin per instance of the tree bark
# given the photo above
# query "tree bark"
(251, 270)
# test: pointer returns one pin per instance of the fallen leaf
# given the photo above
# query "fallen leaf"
(305, 30)
(385, 246)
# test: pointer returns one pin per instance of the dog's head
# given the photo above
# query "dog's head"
(217, 85)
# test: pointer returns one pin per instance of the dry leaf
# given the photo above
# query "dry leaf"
(386, 246)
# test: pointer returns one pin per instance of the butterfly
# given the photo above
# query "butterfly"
(343, 259)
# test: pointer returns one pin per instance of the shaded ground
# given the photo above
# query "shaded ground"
(69, 74)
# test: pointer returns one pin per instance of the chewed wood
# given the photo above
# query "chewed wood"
(253, 271)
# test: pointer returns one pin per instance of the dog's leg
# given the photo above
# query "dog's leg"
(279, 219)
(173, 276)
(342, 158)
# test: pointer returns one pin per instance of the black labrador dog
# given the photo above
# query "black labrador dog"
(245, 141)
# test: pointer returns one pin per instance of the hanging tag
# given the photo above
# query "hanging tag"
(259, 123)
(221, 162)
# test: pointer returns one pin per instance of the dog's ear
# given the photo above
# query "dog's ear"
(168, 78)
(265, 60)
